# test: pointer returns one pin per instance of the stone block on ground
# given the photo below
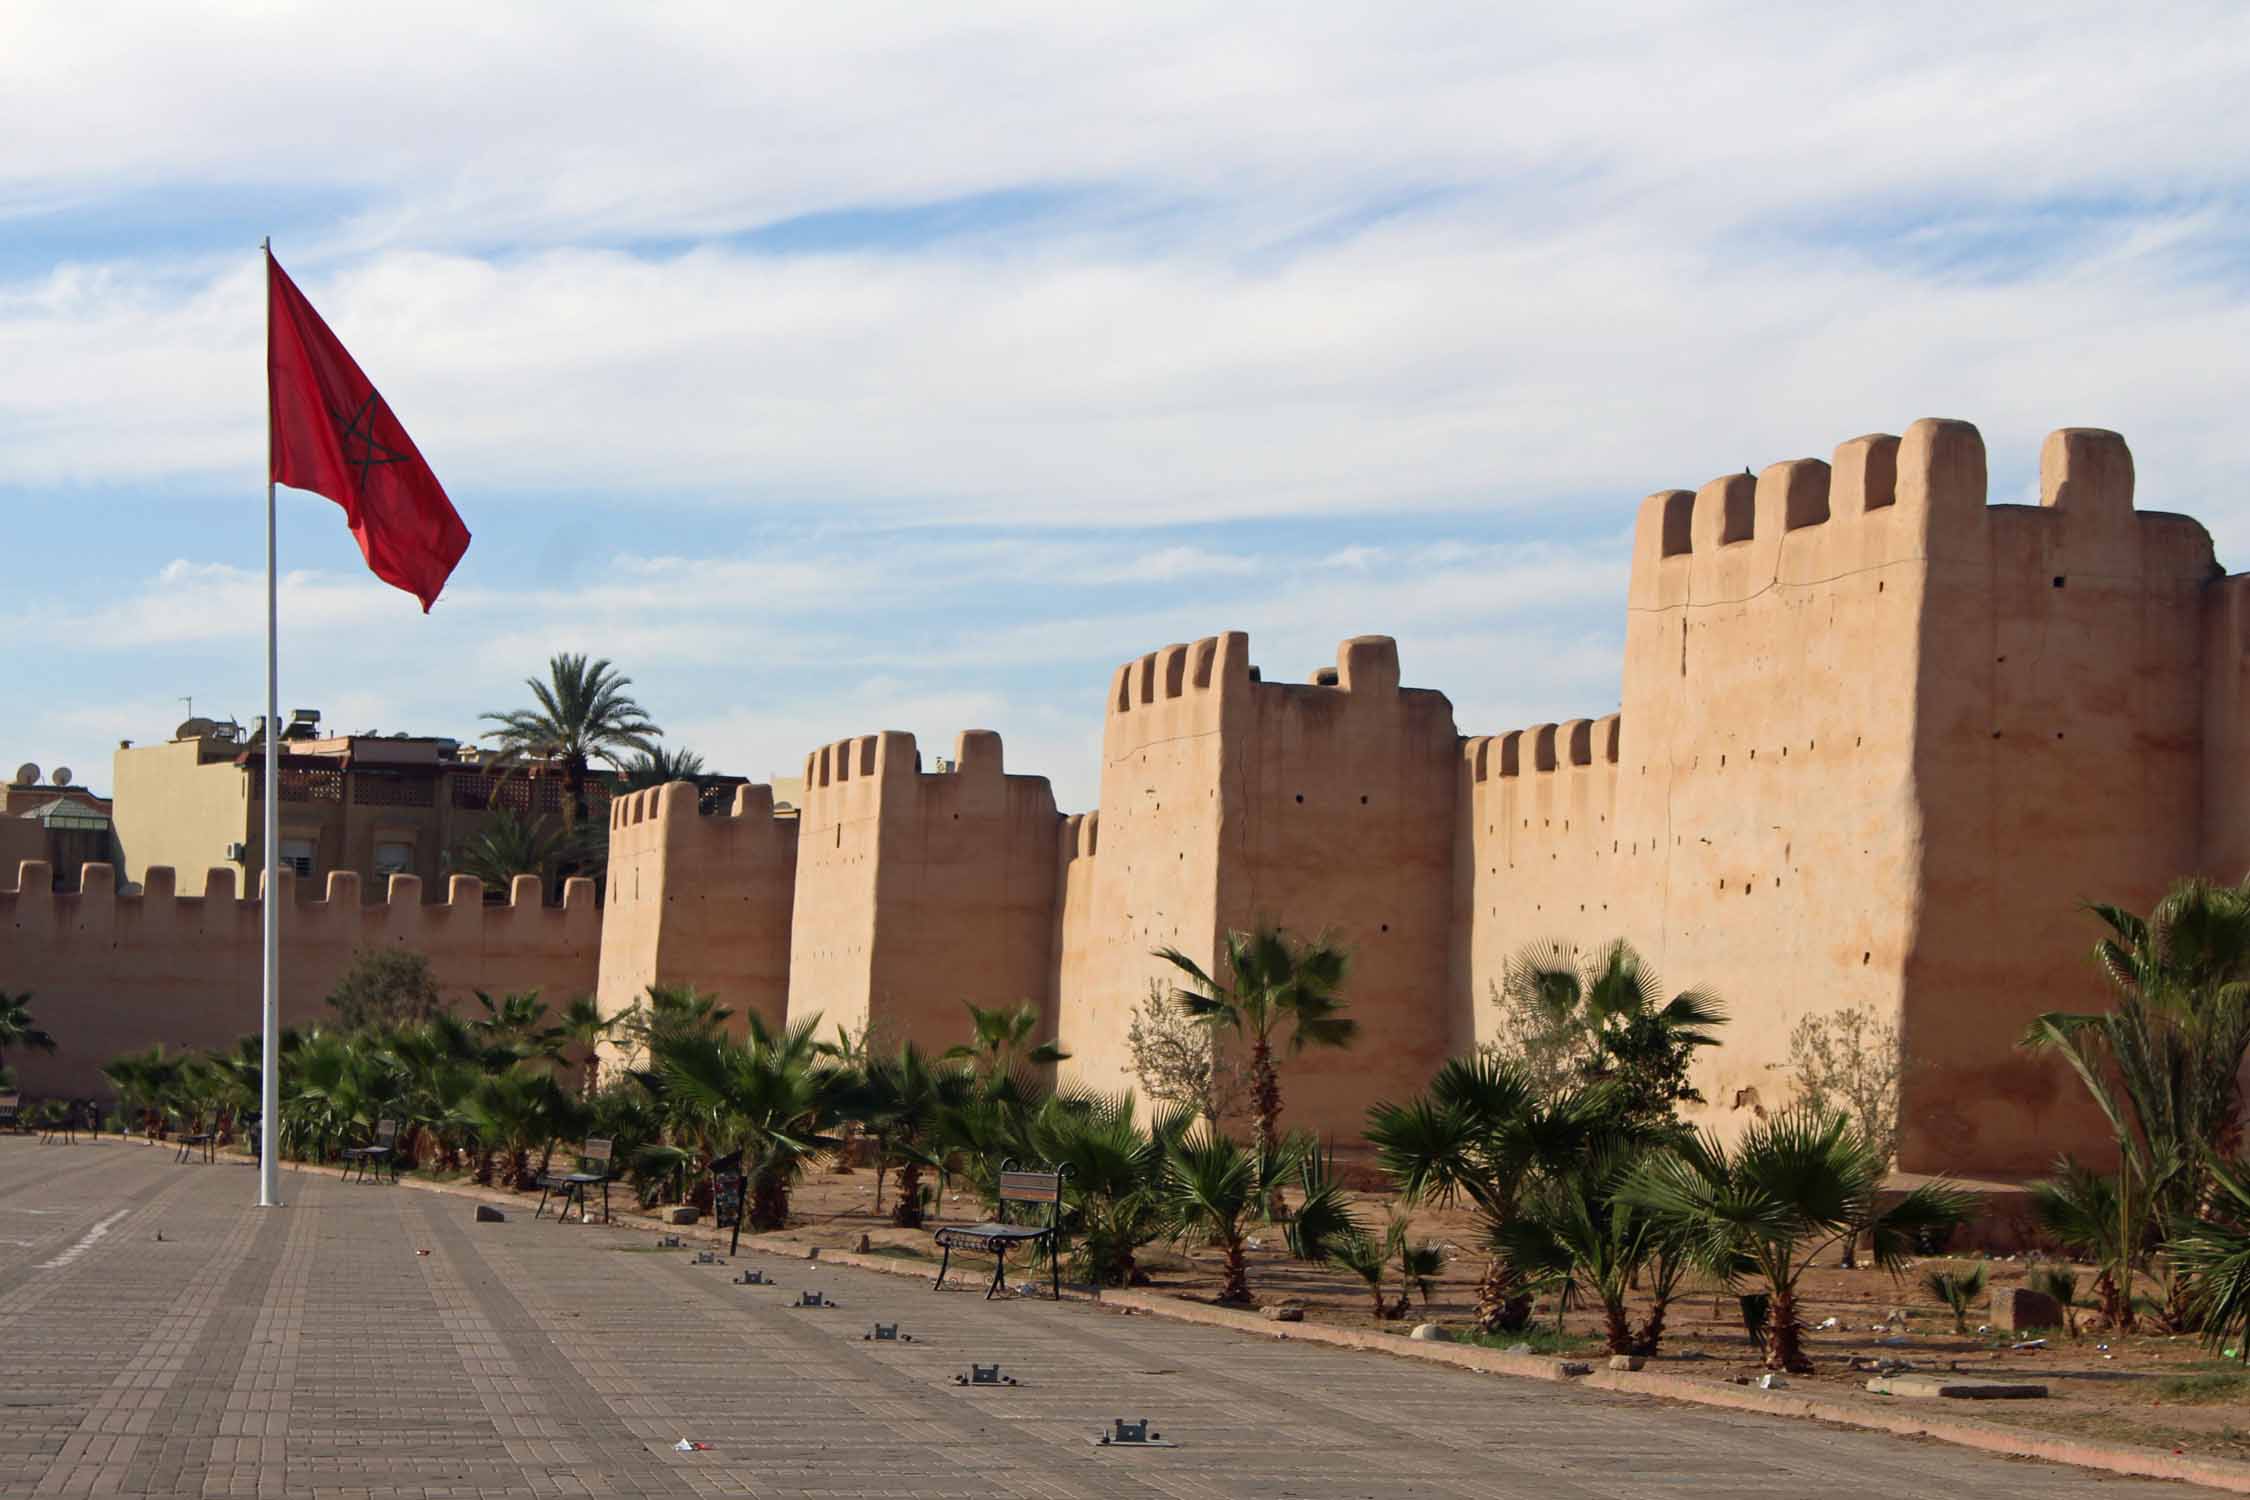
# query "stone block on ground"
(1955, 1388)
(2015, 1308)
(1626, 1361)
(1430, 1333)
(1285, 1312)
(682, 1214)
(487, 1214)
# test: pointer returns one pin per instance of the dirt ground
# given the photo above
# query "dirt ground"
(2150, 1389)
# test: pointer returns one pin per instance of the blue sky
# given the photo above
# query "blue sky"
(872, 367)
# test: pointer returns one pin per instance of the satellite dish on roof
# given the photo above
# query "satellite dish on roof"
(194, 728)
(61, 776)
(27, 774)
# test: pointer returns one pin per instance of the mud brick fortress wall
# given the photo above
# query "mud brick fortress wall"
(112, 973)
(1877, 742)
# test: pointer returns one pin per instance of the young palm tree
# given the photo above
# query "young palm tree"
(2089, 1216)
(514, 1114)
(1420, 1262)
(2214, 1257)
(583, 1029)
(1482, 1132)
(1958, 1290)
(657, 766)
(17, 1029)
(2164, 1065)
(901, 1101)
(666, 1012)
(771, 1097)
(1611, 1006)
(1270, 983)
(1112, 1183)
(1796, 1184)
(508, 845)
(1578, 1229)
(581, 714)
(1210, 1193)
(1368, 1258)
(1003, 1039)
(515, 1026)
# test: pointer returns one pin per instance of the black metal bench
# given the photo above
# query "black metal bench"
(996, 1237)
(593, 1168)
(377, 1157)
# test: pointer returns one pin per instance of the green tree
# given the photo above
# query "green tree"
(2087, 1215)
(657, 766)
(1269, 985)
(1957, 1290)
(772, 1097)
(1607, 1010)
(1369, 1258)
(901, 1100)
(508, 845)
(385, 987)
(1211, 1193)
(1482, 1132)
(1581, 1232)
(17, 1028)
(580, 714)
(583, 1029)
(1796, 1184)
(1001, 1039)
(2164, 1063)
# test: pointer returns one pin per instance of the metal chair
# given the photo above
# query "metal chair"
(373, 1159)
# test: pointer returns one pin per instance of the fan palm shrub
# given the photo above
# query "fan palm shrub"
(1369, 1258)
(1792, 1188)
(1582, 1232)
(515, 1114)
(1483, 1133)
(582, 1029)
(1420, 1263)
(1605, 1013)
(1211, 1193)
(2060, 1283)
(2095, 1218)
(2214, 1254)
(901, 1101)
(18, 1031)
(772, 1097)
(1324, 1217)
(1957, 1290)
(1270, 989)
(1001, 1040)
(1113, 1180)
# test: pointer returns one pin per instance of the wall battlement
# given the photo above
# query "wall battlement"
(119, 971)
(1862, 719)
(701, 899)
(917, 890)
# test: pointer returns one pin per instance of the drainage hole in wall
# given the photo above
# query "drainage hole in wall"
(1300, 796)
(2058, 580)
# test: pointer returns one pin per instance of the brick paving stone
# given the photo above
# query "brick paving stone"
(311, 1350)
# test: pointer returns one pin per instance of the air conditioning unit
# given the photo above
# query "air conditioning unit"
(237, 851)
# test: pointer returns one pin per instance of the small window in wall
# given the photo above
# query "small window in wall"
(297, 854)
(392, 858)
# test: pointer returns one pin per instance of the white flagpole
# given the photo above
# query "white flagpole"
(269, 1074)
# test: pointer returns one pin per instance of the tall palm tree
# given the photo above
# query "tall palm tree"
(581, 714)
(658, 766)
(1210, 1192)
(1609, 1007)
(1270, 983)
(1003, 1039)
(1483, 1132)
(17, 1029)
(1795, 1185)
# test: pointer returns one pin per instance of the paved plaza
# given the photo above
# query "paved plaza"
(159, 1336)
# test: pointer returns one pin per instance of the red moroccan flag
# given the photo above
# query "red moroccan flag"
(334, 435)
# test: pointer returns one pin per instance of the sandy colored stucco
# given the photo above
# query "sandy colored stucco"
(699, 900)
(1876, 742)
(110, 973)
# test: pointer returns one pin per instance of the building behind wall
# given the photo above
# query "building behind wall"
(372, 805)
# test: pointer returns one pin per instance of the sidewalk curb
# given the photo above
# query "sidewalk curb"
(1873, 1414)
